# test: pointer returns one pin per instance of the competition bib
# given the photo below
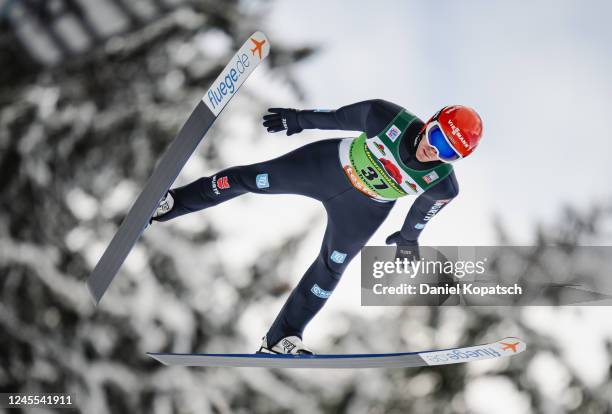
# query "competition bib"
(374, 167)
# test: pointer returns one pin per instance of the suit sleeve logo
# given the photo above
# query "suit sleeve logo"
(320, 292)
(262, 181)
(223, 183)
(338, 257)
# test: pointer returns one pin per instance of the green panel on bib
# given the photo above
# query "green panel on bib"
(378, 164)
(371, 172)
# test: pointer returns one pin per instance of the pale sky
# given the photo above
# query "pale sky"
(539, 73)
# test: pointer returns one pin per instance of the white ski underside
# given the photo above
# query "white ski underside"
(503, 348)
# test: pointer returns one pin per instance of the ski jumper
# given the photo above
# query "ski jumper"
(356, 179)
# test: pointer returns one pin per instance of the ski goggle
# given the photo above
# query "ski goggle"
(437, 139)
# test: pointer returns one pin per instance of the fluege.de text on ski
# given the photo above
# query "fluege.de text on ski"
(227, 85)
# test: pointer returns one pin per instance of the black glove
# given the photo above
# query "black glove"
(281, 119)
(408, 249)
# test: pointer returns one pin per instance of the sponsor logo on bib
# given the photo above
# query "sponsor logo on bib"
(411, 185)
(431, 177)
(393, 133)
(391, 169)
(357, 183)
(380, 148)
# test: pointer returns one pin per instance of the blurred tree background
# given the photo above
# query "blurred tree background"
(91, 93)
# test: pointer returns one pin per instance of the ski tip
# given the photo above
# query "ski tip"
(512, 345)
(258, 34)
(92, 290)
(260, 43)
(506, 347)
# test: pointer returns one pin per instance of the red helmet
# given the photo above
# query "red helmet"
(461, 126)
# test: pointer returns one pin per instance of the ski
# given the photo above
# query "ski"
(244, 62)
(503, 348)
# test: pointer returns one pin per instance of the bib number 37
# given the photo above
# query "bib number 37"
(371, 175)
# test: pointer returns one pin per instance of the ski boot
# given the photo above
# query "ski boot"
(165, 205)
(288, 345)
